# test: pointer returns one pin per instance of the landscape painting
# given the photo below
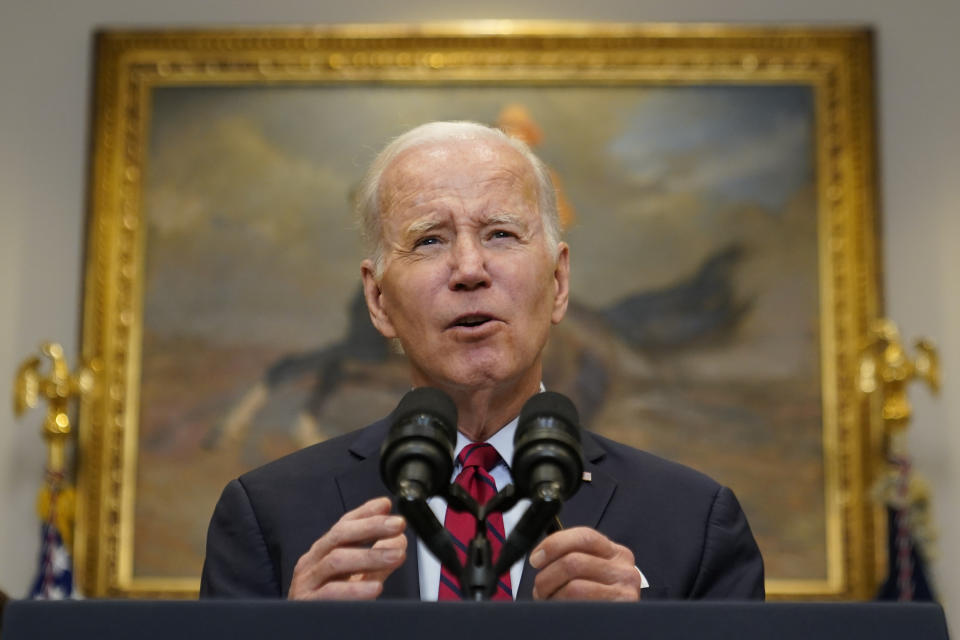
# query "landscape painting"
(694, 326)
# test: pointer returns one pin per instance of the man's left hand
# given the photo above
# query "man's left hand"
(583, 564)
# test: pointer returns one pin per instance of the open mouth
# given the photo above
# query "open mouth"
(472, 320)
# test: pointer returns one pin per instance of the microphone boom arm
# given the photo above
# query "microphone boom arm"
(424, 522)
(544, 507)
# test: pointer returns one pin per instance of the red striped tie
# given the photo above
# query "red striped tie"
(477, 459)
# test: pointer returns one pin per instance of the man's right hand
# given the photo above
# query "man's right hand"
(351, 561)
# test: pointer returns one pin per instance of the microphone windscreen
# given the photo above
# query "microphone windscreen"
(553, 405)
(430, 401)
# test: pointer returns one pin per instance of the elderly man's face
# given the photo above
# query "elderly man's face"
(470, 283)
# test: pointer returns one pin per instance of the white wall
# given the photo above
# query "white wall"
(45, 62)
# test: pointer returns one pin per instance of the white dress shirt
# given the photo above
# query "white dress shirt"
(502, 441)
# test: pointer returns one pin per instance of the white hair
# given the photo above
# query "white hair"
(368, 193)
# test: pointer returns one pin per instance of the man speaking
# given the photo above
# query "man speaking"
(467, 271)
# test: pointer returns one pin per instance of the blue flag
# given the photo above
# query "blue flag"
(907, 580)
(55, 574)
(54, 579)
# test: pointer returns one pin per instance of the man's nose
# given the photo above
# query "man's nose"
(469, 265)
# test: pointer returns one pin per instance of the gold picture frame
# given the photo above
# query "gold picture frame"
(832, 65)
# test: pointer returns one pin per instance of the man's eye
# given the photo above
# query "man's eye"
(426, 241)
(501, 233)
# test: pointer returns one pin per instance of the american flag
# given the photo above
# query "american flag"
(908, 535)
(54, 579)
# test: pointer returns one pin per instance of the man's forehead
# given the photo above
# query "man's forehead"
(476, 168)
(422, 162)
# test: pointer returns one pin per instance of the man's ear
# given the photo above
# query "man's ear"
(374, 297)
(561, 280)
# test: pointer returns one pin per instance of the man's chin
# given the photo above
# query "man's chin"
(473, 377)
(459, 383)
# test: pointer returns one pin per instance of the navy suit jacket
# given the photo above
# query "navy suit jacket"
(688, 534)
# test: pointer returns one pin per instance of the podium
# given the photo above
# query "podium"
(405, 620)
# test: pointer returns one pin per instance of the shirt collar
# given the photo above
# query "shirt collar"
(502, 441)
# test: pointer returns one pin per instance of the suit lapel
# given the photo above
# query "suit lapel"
(583, 509)
(361, 483)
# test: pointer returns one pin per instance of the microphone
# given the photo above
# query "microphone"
(547, 468)
(416, 459)
(416, 462)
(547, 458)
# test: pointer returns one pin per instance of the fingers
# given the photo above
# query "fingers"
(376, 506)
(583, 564)
(587, 590)
(397, 542)
(364, 525)
(352, 590)
(348, 574)
(354, 557)
(582, 539)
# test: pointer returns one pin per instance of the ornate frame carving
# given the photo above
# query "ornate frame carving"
(837, 63)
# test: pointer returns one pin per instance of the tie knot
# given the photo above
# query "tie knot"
(479, 454)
